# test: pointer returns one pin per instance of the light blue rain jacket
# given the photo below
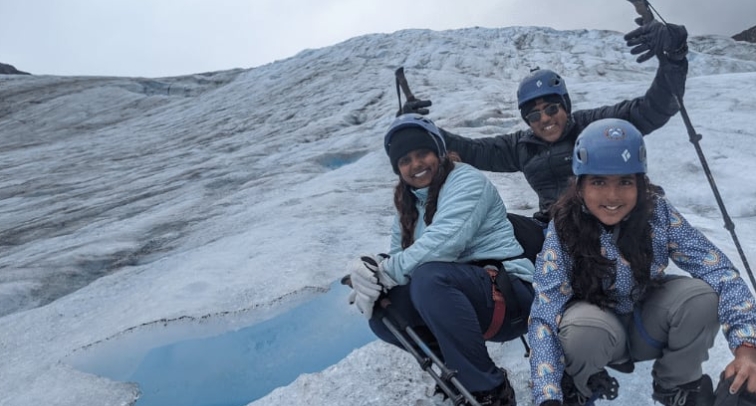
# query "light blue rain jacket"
(470, 224)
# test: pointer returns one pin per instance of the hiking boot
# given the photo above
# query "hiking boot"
(502, 395)
(601, 384)
(697, 393)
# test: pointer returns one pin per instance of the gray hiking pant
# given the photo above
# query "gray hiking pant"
(675, 325)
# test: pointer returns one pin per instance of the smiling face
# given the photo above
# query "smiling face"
(610, 198)
(548, 127)
(418, 167)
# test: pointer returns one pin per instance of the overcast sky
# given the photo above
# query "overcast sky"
(154, 38)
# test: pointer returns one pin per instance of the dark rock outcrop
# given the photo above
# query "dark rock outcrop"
(748, 35)
(10, 70)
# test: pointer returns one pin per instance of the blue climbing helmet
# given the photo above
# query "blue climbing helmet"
(609, 147)
(417, 121)
(540, 83)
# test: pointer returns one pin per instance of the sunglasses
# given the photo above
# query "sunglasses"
(535, 115)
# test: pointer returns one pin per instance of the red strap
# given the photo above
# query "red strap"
(500, 306)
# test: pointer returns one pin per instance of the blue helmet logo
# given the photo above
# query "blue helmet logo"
(626, 155)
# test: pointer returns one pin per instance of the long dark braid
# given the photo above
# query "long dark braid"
(579, 231)
(405, 200)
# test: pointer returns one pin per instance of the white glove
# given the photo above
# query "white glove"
(375, 263)
(364, 303)
(368, 282)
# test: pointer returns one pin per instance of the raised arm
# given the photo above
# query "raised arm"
(654, 109)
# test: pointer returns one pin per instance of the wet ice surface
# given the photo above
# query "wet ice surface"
(137, 213)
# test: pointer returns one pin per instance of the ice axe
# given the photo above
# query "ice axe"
(406, 335)
(402, 86)
(646, 11)
(401, 83)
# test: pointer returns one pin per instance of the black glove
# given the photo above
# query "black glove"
(725, 398)
(662, 40)
(551, 402)
(415, 106)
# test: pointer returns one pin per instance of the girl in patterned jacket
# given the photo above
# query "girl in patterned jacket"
(603, 298)
(451, 223)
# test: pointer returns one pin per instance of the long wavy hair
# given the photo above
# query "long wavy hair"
(579, 232)
(405, 200)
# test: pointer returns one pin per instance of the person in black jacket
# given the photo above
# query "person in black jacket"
(543, 153)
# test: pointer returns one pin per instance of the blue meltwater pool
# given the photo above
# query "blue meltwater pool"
(239, 367)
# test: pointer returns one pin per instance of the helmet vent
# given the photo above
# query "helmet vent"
(582, 155)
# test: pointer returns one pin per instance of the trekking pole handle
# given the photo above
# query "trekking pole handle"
(642, 8)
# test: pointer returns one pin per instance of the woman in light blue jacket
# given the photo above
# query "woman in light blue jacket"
(604, 298)
(451, 225)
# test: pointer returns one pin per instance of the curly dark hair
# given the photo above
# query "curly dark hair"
(405, 200)
(579, 231)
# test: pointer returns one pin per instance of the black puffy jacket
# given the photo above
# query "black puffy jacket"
(548, 166)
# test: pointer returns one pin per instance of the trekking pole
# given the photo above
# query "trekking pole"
(404, 333)
(729, 225)
(644, 8)
(426, 362)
